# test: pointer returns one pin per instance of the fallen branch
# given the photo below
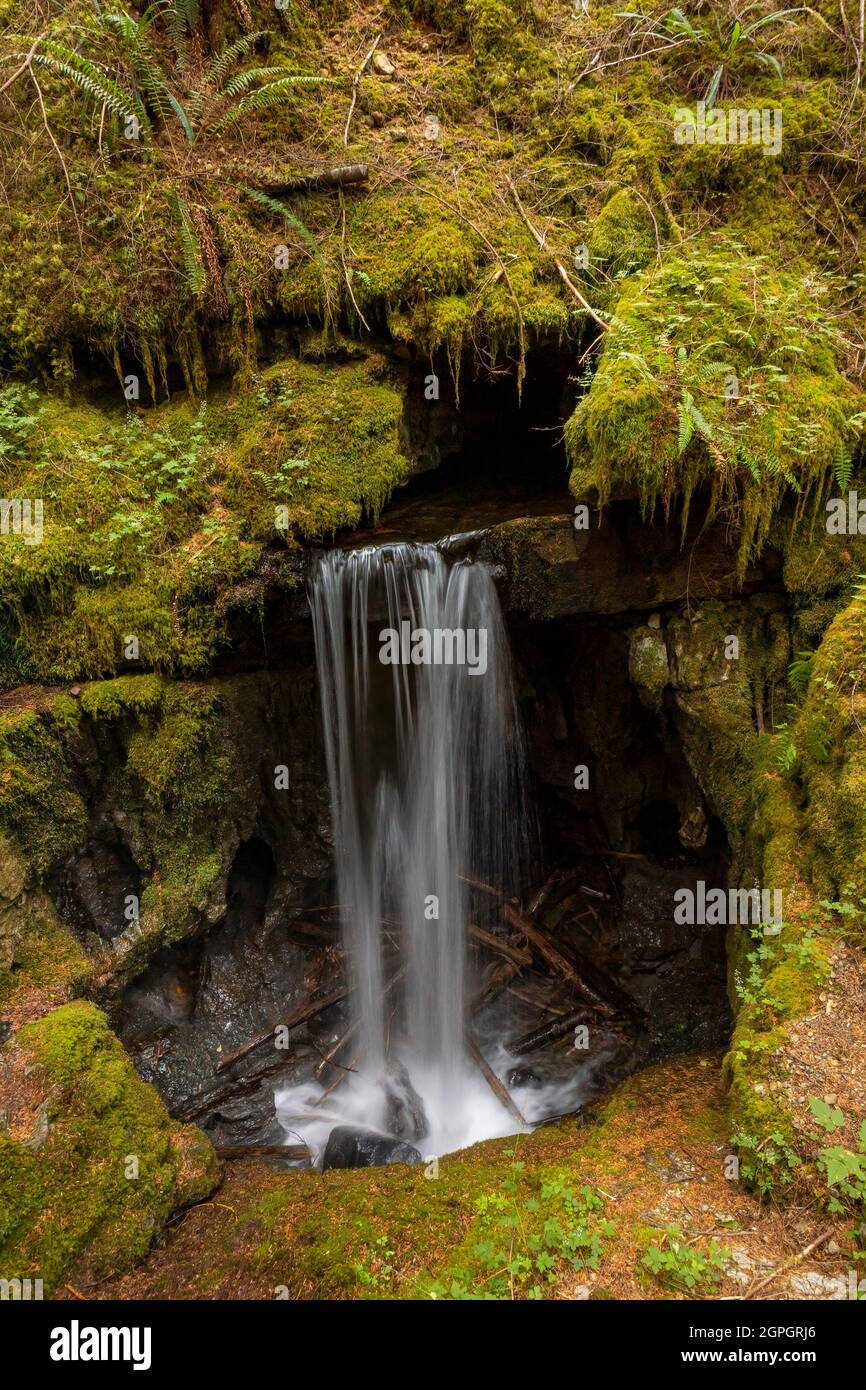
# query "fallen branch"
(511, 953)
(497, 980)
(563, 273)
(292, 1151)
(340, 177)
(501, 1092)
(356, 80)
(307, 1011)
(539, 1037)
(790, 1264)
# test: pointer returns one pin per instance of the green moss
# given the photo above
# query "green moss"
(104, 1167)
(40, 806)
(658, 421)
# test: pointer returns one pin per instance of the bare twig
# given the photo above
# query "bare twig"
(563, 273)
(355, 84)
(790, 1264)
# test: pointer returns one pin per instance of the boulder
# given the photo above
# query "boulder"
(350, 1146)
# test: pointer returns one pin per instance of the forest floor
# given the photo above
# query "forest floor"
(655, 1155)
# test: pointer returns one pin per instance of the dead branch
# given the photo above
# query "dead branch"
(539, 1037)
(563, 273)
(292, 1151)
(343, 176)
(511, 953)
(356, 81)
(307, 1011)
(501, 1092)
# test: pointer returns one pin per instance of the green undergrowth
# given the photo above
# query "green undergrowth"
(102, 1167)
(809, 813)
(721, 375)
(153, 522)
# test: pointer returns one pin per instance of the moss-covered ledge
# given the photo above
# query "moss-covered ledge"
(91, 1165)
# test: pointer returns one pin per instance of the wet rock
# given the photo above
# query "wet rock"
(523, 1076)
(648, 665)
(351, 1147)
(405, 1114)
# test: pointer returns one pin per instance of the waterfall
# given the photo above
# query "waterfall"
(426, 772)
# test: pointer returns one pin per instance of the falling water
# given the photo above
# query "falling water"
(426, 771)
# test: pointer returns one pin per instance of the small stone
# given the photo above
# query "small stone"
(382, 64)
(832, 1247)
(581, 1293)
(75, 691)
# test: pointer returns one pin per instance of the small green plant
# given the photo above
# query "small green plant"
(526, 1241)
(379, 1273)
(19, 414)
(679, 1265)
(766, 1163)
(727, 45)
(844, 1169)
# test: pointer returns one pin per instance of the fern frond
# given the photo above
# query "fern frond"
(142, 58)
(274, 94)
(686, 430)
(90, 79)
(800, 671)
(843, 466)
(281, 210)
(193, 263)
(219, 66)
(246, 79)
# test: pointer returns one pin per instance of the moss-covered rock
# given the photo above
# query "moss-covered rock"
(91, 1165)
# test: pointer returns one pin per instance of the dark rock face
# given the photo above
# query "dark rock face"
(350, 1147)
(617, 565)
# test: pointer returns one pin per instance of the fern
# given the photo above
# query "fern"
(191, 250)
(220, 65)
(786, 750)
(91, 79)
(274, 94)
(281, 210)
(843, 466)
(246, 79)
(800, 671)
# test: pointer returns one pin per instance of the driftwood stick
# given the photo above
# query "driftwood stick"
(292, 1151)
(355, 84)
(338, 1079)
(555, 1010)
(329, 1056)
(544, 892)
(511, 953)
(563, 273)
(496, 981)
(301, 1015)
(791, 1263)
(539, 1037)
(501, 1092)
(341, 176)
